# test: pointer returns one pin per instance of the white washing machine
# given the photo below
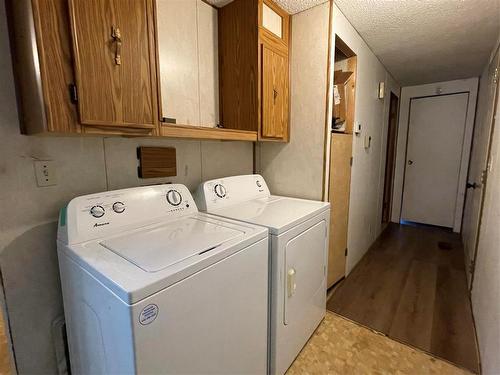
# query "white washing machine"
(152, 286)
(298, 240)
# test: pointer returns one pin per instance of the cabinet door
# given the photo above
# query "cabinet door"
(274, 94)
(340, 187)
(113, 44)
(187, 48)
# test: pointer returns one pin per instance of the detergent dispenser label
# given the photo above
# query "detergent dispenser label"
(148, 314)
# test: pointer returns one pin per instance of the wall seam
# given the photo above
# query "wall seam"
(105, 163)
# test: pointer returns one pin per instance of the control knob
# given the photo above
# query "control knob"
(97, 211)
(118, 207)
(174, 197)
(220, 190)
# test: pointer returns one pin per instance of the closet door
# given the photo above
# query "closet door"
(113, 45)
(274, 94)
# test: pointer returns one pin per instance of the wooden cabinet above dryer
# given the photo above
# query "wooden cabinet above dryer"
(254, 68)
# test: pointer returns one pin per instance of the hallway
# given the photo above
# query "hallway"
(411, 286)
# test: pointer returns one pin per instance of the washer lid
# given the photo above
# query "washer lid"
(157, 248)
(277, 213)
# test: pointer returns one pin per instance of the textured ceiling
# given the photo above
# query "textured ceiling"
(296, 6)
(291, 6)
(423, 41)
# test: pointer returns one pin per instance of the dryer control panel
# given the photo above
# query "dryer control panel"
(224, 192)
(92, 216)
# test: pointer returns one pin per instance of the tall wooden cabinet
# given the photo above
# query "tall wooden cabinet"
(341, 160)
(114, 63)
(254, 68)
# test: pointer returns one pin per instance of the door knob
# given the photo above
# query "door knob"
(410, 162)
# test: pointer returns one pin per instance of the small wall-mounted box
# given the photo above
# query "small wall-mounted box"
(157, 162)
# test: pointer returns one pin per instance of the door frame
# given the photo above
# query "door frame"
(471, 272)
(434, 89)
(388, 162)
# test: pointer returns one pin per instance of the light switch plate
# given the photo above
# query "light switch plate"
(357, 129)
(45, 173)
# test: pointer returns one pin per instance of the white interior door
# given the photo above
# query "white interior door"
(433, 158)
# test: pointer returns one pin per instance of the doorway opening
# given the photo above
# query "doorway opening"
(342, 125)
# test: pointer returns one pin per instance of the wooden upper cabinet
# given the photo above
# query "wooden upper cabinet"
(274, 33)
(42, 62)
(254, 68)
(115, 63)
(91, 66)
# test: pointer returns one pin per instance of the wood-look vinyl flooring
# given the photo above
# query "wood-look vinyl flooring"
(413, 290)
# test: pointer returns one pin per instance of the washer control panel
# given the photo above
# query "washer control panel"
(92, 216)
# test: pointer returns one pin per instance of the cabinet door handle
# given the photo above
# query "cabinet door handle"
(117, 39)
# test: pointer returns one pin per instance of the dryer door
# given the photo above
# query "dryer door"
(305, 272)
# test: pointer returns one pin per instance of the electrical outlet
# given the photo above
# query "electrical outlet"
(45, 173)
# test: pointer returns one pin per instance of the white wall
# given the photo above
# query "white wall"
(28, 258)
(486, 286)
(439, 88)
(368, 170)
(296, 168)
